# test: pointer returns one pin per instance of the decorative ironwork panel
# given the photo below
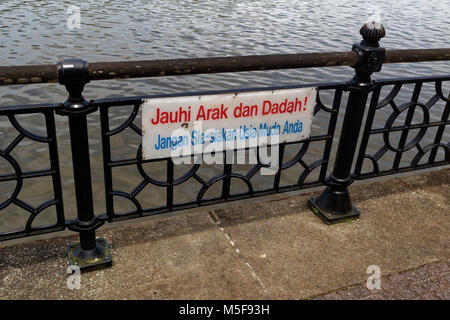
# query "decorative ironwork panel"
(148, 187)
(417, 143)
(16, 173)
(168, 184)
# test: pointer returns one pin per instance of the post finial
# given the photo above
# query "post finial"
(372, 32)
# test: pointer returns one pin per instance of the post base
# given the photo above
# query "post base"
(100, 256)
(331, 217)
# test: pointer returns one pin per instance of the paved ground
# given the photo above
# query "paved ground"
(428, 282)
(274, 249)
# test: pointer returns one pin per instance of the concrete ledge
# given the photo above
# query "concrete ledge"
(263, 250)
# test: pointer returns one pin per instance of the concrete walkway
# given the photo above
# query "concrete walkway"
(274, 249)
(428, 282)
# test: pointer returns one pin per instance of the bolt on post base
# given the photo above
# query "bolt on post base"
(86, 259)
(330, 217)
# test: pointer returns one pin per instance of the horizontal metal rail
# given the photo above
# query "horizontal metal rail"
(11, 75)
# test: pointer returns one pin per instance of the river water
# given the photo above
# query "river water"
(36, 32)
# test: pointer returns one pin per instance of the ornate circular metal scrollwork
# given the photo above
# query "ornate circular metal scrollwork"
(218, 178)
(160, 183)
(427, 149)
(126, 123)
(18, 173)
(131, 199)
(301, 152)
(438, 87)
(420, 134)
(390, 96)
(320, 105)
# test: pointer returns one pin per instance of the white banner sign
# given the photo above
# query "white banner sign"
(181, 126)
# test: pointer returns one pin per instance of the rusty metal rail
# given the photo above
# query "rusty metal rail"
(12, 75)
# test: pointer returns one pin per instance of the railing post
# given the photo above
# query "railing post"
(334, 203)
(90, 251)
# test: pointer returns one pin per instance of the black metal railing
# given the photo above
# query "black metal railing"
(408, 107)
(332, 205)
(19, 175)
(225, 177)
